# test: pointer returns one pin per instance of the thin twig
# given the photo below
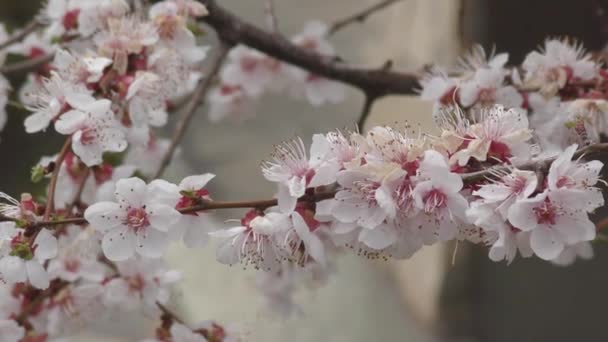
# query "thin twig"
(360, 16)
(50, 200)
(198, 97)
(166, 311)
(271, 16)
(367, 108)
(234, 30)
(19, 35)
(37, 301)
(27, 64)
(78, 196)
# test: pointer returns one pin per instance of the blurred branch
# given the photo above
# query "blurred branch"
(29, 28)
(197, 98)
(27, 64)
(361, 16)
(379, 82)
(50, 198)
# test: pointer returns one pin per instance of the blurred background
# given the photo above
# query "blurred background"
(426, 298)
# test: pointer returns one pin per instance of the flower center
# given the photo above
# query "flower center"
(72, 265)
(88, 137)
(434, 199)
(137, 218)
(136, 283)
(70, 19)
(546, 213)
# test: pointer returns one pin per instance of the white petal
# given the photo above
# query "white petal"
(46, 245)
(313, 244)
(118, 244)
(545, 243)
(287, 202)
(161, 216)
(104, 216)
(131, 191)
(37, 274)
(12, 269)
(378, 238)
(36, 122)
(194, 183)
(152, 243)
(70, 122)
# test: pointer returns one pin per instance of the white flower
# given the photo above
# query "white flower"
(558, 64)
(63, 16)
(294, 172)
(576, 179)
(147, 159)
(442, 207)
(252, 70)
(77, 257)
(52, 99)
(11, 331)
(142, 282)
(77, 69)
(94, 130)
(139, 222)
(73, 307)
(22, 261)
(147, 106)
(499, 135)
(253, 242)
(554, 220)
(124, 36)
(316, 89)
(487, 88)
(95, 15)
(230, 101)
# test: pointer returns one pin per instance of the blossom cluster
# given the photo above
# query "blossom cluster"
(249, 74)
(505, 169)
(561, 87)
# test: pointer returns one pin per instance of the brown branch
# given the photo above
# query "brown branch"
(27, 64)
(197, 98)
(379, 82)
(78, 196)
(50, 200)
(170, 314)
(33, 305)
(360, 16)
(16, 37)
(367, 108)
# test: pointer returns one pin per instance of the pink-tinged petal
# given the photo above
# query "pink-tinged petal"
(11, 331)
(371, 218)
(37, 122)
(325, 175)
(348, 178)
(545, 243)
(319, 149)
(161, 216)
(575, 228)
(71, 121)
(228, 233)
(509, 97)
(287, 202)
(12, 269)
(131, 191)
(297, 186)
(194, 183)
(37, 274)
(91, 154)
(119, 244)
(313, 244)
(152, 243)
(378, 238)
(384, 197)
(105, 216)
(46, 245)
(81, 100)
(493, 192)
(467, 93)
(458, 206)
(521, 215)
(346, 212)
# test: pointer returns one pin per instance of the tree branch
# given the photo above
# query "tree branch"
(197, 98)
(50, 200)
(27, 64)
(360, 16)
(16, 37)
(370, 80)
(367, 108)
